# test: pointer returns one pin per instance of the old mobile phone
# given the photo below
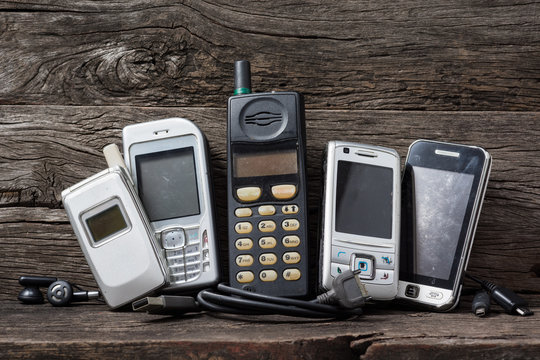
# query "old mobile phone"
(360, 220)
(443, 189)
(169, 162)
(266, 190)
(115, 236)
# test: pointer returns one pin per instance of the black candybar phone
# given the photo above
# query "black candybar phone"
(266, 190)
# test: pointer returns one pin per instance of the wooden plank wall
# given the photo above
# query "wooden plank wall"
(384, 72)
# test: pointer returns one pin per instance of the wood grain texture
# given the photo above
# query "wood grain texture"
(414, 55)
(62, 145)
(95, 333)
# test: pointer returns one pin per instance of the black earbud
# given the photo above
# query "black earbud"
(59, 293)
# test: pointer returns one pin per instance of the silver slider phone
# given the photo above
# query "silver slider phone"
(115, 236)
(443, 189)
(169, 162)
(360, 220)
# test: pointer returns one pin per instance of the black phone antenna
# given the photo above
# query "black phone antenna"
(242, 77)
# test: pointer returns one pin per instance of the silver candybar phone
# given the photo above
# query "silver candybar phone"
(115, 236)
(360, 221)
(169, 163)
(443, 189)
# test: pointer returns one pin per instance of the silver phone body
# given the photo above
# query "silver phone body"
(169, 163)
(115, 236)
(372, 249)
(434, 297)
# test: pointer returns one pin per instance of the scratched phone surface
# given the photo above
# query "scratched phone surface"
(440, 204)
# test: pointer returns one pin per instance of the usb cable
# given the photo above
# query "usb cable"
(511, 302)
(345, 300)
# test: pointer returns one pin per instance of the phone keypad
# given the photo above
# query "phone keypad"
(271, 240)
(189, 257)
(375, 267)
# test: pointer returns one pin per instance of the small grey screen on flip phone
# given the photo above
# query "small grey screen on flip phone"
(364, 199)
(167, 183)
(440, 206)
(106, 223)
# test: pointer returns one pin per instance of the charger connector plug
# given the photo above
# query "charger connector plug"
(347, 291)
(511, 302)
(166, 305)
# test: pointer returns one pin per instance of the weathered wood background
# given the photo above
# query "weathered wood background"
(379, 72)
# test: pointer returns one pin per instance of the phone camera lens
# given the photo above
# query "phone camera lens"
(346, 150)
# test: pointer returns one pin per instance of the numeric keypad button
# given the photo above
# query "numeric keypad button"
(291, 241)
(268, 275)
(245, 277)
(267, 226)
(268, 259)
(243, 244)
(291, 257)
(291, 274)
(267, 242)
(244, 260)
(290, 224)
(243, 227)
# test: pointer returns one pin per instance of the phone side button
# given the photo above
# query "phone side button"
(383, 277)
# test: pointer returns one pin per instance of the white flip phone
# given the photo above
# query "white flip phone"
(115, 236)
(360, 220)
(169, 163)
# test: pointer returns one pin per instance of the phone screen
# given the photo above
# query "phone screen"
(364, 199)
(440, 205)
(265, 163)
(167, 183)
(106, 223)
(439, 188)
